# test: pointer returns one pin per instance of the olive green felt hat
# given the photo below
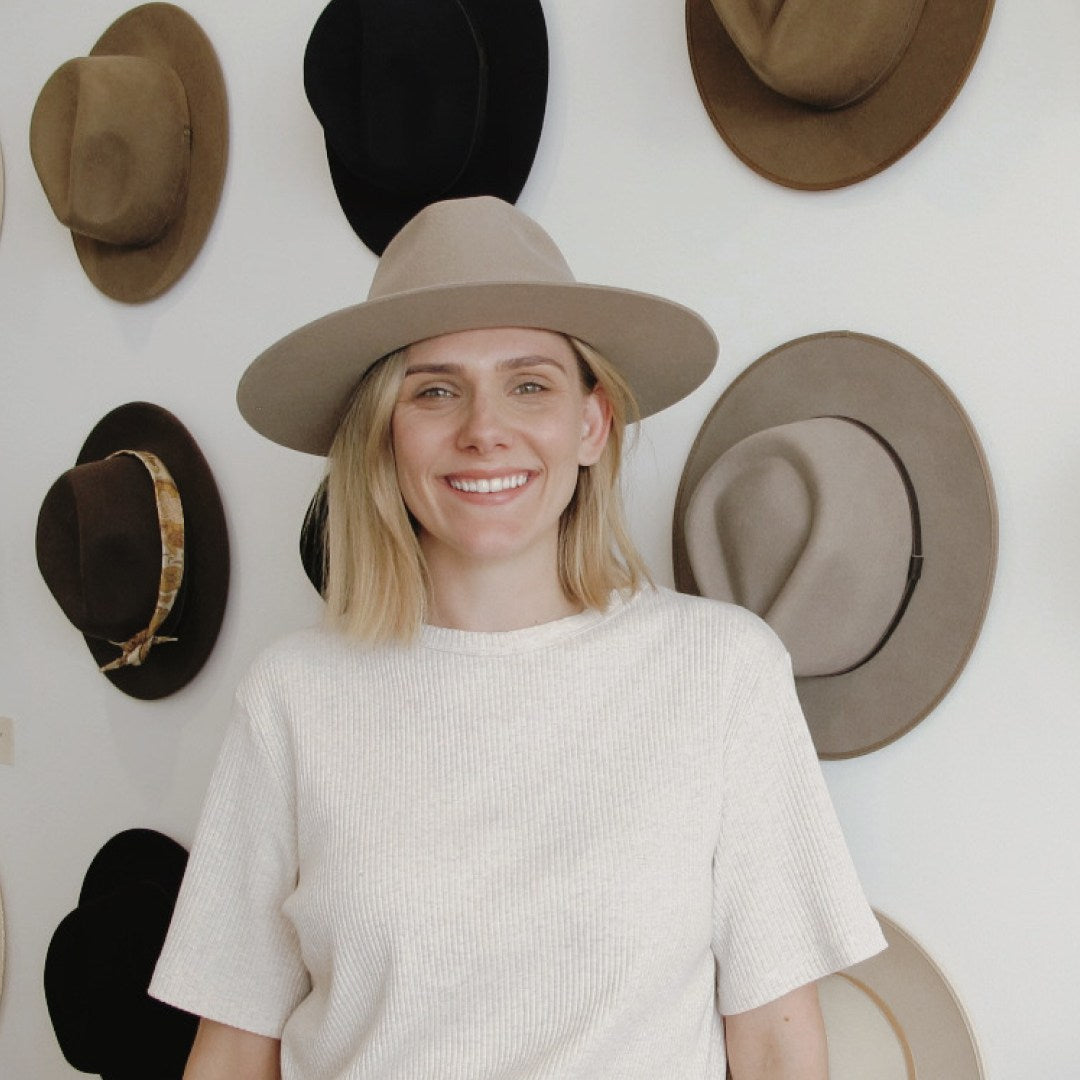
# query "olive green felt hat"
(818, 94)
(130, 144)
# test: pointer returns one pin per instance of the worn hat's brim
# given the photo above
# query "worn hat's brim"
(296, 392)
(802, 147)
(171, 665)
(880, 385)
(515, 46)
(166, 33)
(916, 1017)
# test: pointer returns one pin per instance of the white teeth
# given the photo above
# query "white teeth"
(486, 487)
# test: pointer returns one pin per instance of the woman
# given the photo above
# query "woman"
(515, 812)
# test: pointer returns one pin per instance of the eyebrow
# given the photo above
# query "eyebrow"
(512, 363)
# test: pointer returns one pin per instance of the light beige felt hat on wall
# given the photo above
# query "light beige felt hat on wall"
(895, 1017)
(466, 264)
(818, 94)
(838, 489)
(130, 144)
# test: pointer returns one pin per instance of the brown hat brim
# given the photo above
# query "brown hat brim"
(880, 385)
(802, 147)
(166, 33)
(143, 426)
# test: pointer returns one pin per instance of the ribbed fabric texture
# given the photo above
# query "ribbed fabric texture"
(556, 852)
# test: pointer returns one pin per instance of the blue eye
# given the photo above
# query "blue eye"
(529, 387)
(434, 392)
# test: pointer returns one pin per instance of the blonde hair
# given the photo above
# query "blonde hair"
(376, 581)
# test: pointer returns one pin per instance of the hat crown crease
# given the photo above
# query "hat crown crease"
(824, 53)
(834, 509)
(467, 242)
(111, 140)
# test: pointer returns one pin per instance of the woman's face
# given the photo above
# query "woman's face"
(488, 430)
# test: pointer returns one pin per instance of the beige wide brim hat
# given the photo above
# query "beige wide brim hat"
(169, 36)
(895, 1017)
(891, 392)
(800, 146)
(467, 264)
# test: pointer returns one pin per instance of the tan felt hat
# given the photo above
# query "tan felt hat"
(130, 144)
(466, 264)
(895, 1017)
(823, 93)
(838, 489)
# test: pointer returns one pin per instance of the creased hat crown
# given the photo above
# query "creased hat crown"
(465, 242)
(827, 53)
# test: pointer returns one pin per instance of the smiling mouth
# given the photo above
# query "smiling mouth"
(489, 485)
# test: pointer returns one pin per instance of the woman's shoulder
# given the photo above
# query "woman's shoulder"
(703, 613)
(312, 652)
(715, 627)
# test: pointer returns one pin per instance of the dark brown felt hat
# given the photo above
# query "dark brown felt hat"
(99, 548)
(130, 144)
(819, 95)
(898, 403)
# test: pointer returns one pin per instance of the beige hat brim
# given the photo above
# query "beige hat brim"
(878, 384)
(931, 1029)
(297, 390)
(166, 33)
(802, 147)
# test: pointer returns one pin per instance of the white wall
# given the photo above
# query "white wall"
(965, 253)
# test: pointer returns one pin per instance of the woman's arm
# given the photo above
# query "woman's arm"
(781, 1040)
(221, 1052)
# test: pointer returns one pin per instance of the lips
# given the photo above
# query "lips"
(488, 484)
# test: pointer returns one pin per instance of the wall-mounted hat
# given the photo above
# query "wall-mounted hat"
(422, 100)
(465, 264)
(895, 1017)
(133, 545)
(838, 489)
(819, 95)
(130, 145)
(313, 539)
(101, 958)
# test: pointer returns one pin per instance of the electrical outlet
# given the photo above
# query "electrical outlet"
(7, 741)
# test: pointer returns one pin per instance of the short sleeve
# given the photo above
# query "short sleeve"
(231, 953)
(787, 905)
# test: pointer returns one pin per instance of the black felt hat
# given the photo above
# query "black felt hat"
(102, 956)
(422, 100)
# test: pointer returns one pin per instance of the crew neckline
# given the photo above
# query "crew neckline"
(526, 639)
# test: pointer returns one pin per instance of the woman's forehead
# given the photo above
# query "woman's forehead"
(490, 345)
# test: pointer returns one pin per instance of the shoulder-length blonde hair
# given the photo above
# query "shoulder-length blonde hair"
(376, 582)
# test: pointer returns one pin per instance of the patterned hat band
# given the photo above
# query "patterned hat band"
(170, 512)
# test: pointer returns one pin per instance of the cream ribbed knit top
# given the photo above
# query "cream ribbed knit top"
(555, 852)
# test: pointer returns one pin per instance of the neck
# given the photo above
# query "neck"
(495, 596)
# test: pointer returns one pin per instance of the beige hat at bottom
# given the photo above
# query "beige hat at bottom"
(838, 489)
(895, 1017)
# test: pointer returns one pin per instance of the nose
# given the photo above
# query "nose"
(484, 425)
